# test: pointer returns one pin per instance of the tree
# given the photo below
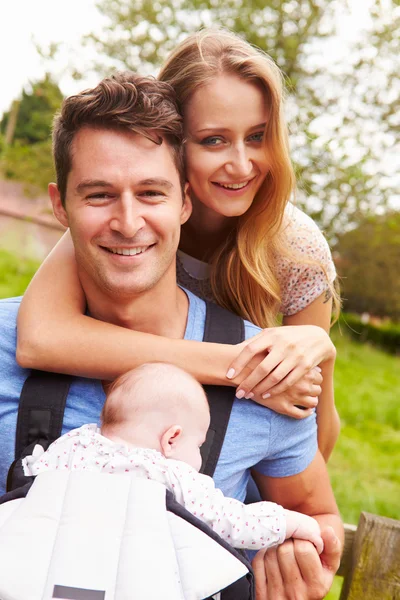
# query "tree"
(342, 109)
(369, 264)
(27, 154)
(35, 113)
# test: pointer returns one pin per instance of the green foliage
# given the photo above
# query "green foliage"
(369, 264)
(338, 157)
(35, 113)
(30, 164)
(29, 158)
(15, 274)
(386, 335)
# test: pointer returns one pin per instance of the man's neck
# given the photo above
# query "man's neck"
(162, 310)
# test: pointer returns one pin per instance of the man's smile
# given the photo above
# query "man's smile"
(129, 251)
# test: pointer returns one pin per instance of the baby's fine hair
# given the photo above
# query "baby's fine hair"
(150, 390)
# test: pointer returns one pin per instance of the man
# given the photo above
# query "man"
(120, 188)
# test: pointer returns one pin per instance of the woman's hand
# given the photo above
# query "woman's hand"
(300, 400)
(278, 358)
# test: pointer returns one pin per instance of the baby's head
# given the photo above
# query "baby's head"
(158, 406)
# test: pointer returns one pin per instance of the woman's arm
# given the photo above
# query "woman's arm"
(55, 335)
(319, 313)
(291, 351)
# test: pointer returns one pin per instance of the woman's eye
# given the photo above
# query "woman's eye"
(212, 141)
(256, 137)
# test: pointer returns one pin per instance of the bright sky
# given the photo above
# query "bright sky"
(23, 22)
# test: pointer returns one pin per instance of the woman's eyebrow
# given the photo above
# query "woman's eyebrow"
(223, 129)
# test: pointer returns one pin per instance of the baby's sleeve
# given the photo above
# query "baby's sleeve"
(252, 526)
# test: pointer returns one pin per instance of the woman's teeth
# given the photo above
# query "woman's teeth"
(233, 186)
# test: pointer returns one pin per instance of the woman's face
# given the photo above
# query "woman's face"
(226, 159)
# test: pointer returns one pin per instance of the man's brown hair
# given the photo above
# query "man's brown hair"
(125, 101)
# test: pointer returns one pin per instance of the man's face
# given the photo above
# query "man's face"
(124, 208)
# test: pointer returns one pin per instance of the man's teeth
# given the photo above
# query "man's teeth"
(234, 186)
(128, 251)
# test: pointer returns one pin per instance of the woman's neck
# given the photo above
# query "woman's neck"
(204, 233)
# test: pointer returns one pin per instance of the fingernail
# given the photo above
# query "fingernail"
(265, 396)
(240, 394)
(318, 369)
(249, 396)
(230, 373)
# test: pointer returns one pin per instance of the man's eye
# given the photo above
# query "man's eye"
(212, 141)
(99, 196)
(152, 193)
(256, 137)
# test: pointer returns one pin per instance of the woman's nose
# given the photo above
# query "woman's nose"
(239, 164)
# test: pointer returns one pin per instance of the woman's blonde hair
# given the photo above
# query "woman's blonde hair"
(243, 277)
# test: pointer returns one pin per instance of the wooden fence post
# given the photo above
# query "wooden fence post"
(374, 571)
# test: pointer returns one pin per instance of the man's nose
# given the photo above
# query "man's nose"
(240, 164)
(127, 218)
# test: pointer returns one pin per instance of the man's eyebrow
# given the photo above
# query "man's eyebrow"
(99, 183)
(90, 183)
(157, 181)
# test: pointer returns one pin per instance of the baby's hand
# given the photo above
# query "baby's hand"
(303, 527)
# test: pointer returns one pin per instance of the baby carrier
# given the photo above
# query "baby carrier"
(83, 536)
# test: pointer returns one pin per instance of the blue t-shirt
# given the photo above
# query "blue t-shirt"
(257, 437)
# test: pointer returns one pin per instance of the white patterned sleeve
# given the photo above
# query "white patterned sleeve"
(301, 283)
(252, 526)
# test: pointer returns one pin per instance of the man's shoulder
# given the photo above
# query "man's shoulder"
(250, 329)
(9, 302)
(9, 310)
(197, 314)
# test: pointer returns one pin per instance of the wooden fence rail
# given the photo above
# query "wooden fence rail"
(370, 563)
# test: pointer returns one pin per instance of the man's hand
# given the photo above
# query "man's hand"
(294, 571)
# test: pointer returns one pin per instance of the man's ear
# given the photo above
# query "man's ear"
(186, 206)
(169, 440)
(58, 209)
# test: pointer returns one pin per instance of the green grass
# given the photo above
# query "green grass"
(365, 466)
(15, 274)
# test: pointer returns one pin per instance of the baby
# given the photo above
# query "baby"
(154, 421)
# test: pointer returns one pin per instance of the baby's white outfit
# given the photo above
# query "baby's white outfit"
(252, 526)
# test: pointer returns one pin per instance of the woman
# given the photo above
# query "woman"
(244, 246)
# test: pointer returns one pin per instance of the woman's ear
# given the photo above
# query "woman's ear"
(169, 440)
(58, 208)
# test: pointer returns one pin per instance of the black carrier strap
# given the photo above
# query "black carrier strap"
(221, 327)
(40, 418)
